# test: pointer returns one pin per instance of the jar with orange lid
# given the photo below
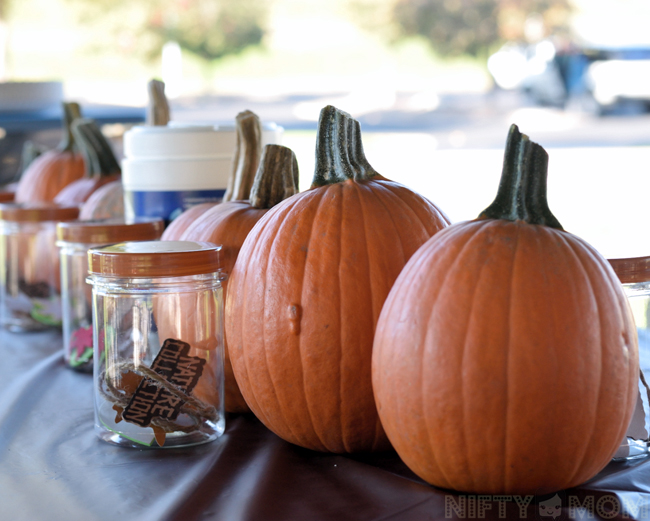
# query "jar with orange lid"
(634, 274)
(75, 238)
(158, 343)
(30, 282)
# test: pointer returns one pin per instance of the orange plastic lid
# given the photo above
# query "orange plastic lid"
(108, 231)
(633, 270)
(36, 212)
(6, 196)
(149, 259)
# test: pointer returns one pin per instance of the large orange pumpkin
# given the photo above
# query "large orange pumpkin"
(505, 359)
(102, 167)
(229, 223)
(53, 170)
(246, 159)
(306, 292)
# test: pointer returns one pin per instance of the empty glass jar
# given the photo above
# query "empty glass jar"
(158, 343)
(75, 238)
(30, 282)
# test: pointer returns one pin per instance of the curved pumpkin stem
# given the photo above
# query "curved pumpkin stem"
(339, 149)
(276, 178)
(246, 157)
(522, 189)
(71, 112)
(97, 151)
(158, 107)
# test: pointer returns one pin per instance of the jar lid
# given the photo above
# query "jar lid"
(108, 231)
(6, 196)
(150, 259)
(632, 270)
(36, 212)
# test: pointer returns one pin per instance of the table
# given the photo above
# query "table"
(52, 467)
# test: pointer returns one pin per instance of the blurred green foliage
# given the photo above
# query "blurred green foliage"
(210, 29)
(464, 27)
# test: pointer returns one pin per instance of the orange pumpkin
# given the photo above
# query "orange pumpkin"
(177, 227)
(246, 159)
(306, 292)
(505, 359)
(107, 202)
(101, 165)
(53, 170)
(229, 223)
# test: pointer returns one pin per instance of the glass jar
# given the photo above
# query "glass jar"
(158, 343)
(30, 280)
(634, 274)
(75, 238)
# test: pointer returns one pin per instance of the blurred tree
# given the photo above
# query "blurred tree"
(209, 29)
(474, 27)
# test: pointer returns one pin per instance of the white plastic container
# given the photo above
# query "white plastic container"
(169, 169)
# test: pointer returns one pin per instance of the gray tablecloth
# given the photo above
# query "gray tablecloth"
(52, 467)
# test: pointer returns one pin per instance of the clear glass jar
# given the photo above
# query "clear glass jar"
(158, 343)
(75, 238)
(30, 281)
(634, 274)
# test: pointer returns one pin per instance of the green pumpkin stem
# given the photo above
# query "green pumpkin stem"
(522, 189)
(276, 178)
(246, 158)
(339, 149)
(98, 154)
(71, 112)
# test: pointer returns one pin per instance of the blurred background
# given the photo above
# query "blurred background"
(434, 83)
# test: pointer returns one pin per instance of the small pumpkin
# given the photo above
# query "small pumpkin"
(107, 202)
(505, 359)
(246, 159)
(102, 166)
(53, 170)
(229, 223)
(306, 290)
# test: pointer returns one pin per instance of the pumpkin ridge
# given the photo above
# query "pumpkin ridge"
(588, 276)
(321, 195)
(469, 237)
(235, 328)
(367, 233)
(241, 284)
(576, 261)
(270, 244)
(478, 236)
(392, 220)
(361, 191)
(506, 443)
(379, 429)
(587, 251)
(340, 308)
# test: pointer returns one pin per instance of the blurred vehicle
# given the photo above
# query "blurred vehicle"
(594, 79)
(531, 69)
(617, 76)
